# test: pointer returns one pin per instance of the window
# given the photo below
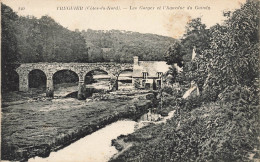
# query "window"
(143, 83)
(145, 74)
(159, 74)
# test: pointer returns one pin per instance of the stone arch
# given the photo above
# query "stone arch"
(124, 81)
(37, 78)
(100, 69)
(65, 73)
(88, 79)
(65, 77)
(123, 70)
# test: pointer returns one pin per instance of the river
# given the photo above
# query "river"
(96, 147)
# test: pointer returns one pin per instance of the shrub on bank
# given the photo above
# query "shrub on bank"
(168, 98)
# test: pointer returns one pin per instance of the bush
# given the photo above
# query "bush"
(245, 94)
(209, 94)
(167, 89)
(190, 103)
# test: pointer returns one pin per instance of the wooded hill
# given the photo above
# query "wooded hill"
(121, 46)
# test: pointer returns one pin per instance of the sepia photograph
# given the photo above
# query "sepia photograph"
(130, 81)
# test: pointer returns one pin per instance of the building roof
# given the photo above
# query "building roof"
(152, 67)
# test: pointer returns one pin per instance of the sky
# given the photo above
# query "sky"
(165, 17)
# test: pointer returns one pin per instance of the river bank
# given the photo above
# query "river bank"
(202, 132)
(40, 127)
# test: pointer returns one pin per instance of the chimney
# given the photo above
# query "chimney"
(135, 60)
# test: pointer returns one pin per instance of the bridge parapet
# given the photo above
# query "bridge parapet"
(110, 67)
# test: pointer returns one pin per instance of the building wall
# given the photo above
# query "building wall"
(137, 83)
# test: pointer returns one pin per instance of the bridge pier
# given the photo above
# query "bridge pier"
(23, 82)
(49, 86)
(114, 83)
(82, 90)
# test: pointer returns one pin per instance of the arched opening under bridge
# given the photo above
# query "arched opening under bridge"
(125, 79)
(97, 80)
(65, 82)
(37, 81)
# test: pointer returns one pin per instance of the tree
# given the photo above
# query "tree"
(9, 41)
(9, 52)
(44, 40)
(174, 54)
(235, 50)
(196, 36)
(171, 75)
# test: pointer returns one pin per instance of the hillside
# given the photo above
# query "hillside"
(121, 46)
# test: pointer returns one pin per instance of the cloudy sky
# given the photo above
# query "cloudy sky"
(159, 19)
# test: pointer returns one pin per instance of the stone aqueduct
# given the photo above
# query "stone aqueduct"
(81, 69)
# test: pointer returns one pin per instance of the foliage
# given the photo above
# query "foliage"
(44, 40)
(9, 42)
(169, 96)
(192, 103)
(235, 49)
(28, 39)
(9, 51)
(196, 37)
(226, 54)
(171, 75)
(174, 55)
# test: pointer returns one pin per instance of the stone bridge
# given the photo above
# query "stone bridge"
(81, 69)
